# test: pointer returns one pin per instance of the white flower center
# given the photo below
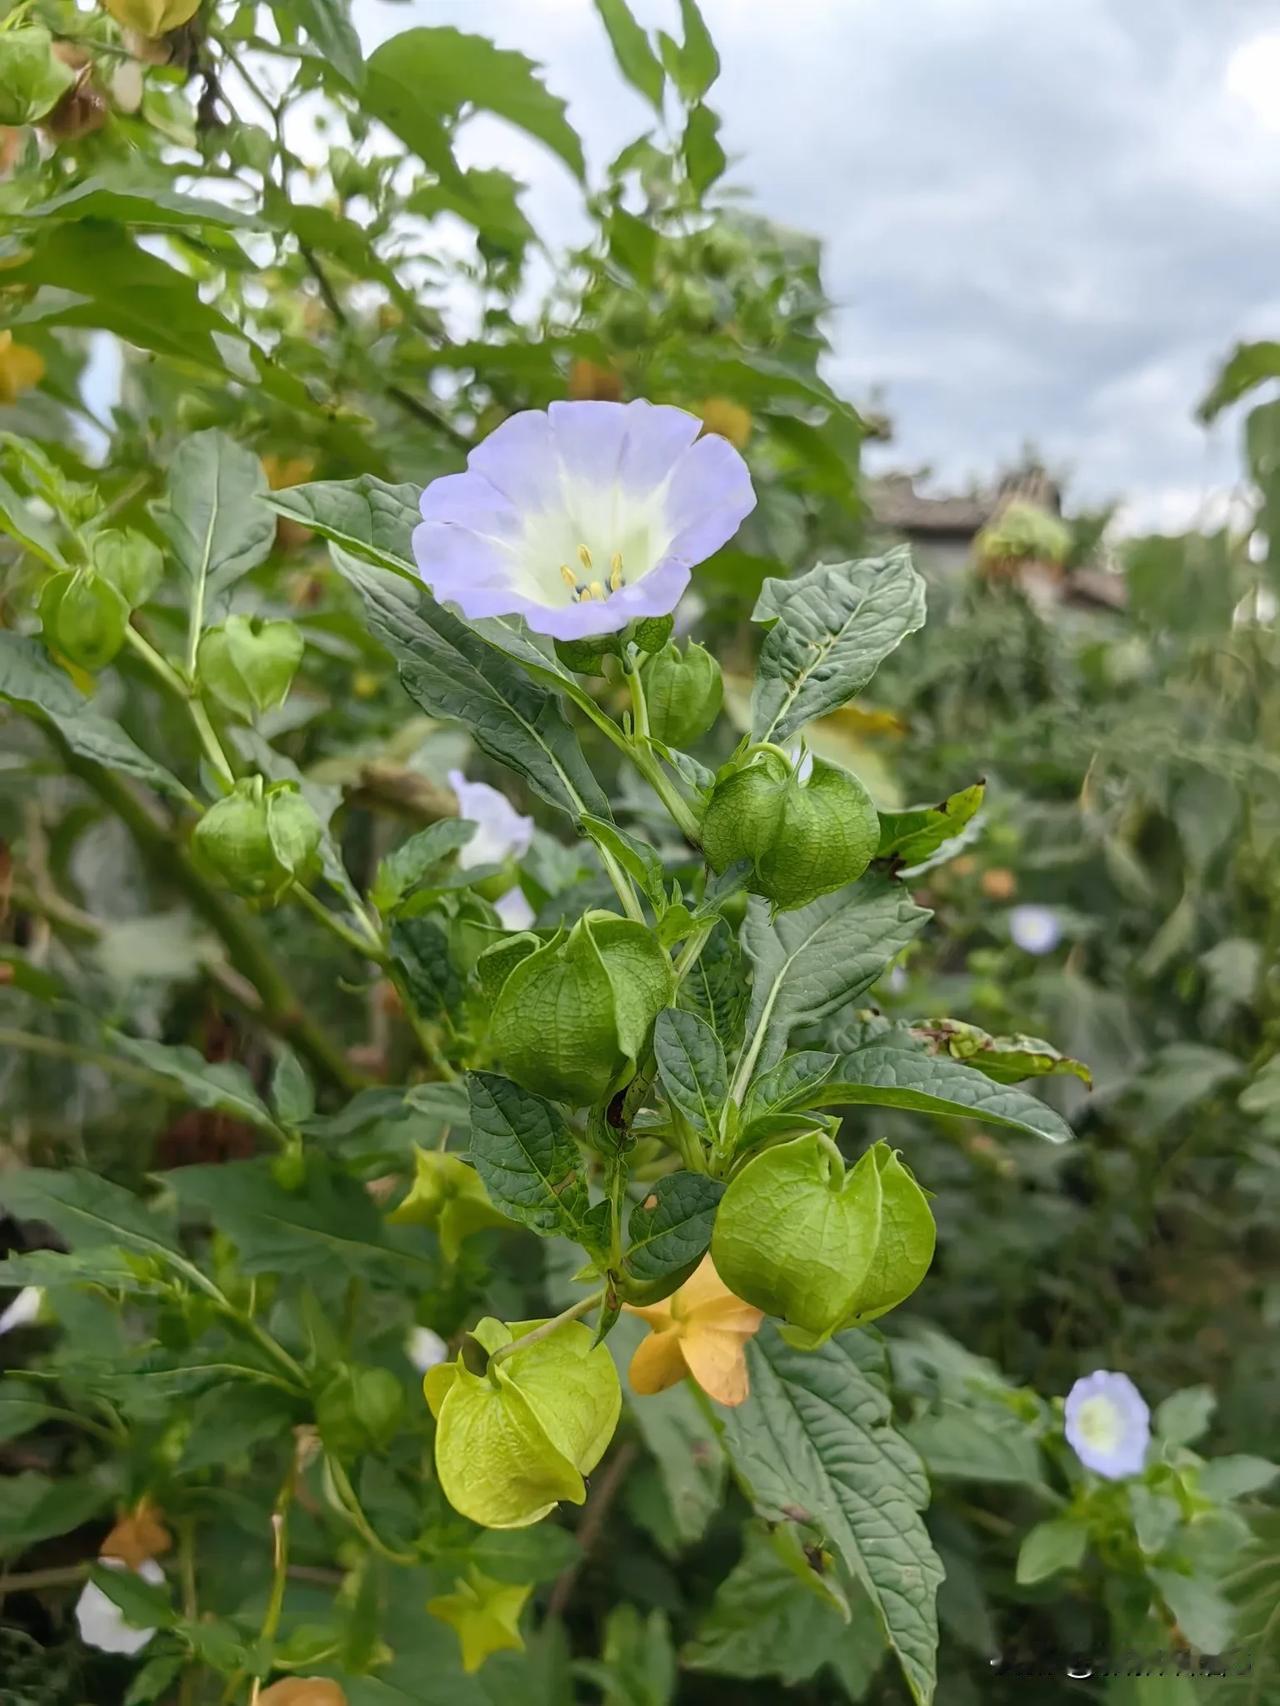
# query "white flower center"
(1100, 1423)
(596, 542)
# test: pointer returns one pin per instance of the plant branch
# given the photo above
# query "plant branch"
(547, 1328)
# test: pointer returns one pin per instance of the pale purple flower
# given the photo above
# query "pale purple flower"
(581, 517)
(425, 1348)
(501, 831)
(1034, 929)
(513, 910)
(1108, 1424)
(102, 1623)
(24, 1310)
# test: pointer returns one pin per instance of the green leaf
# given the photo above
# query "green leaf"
(416, 861)
(829, 631)
(489, 200)
(1184, 1416)
(127, 200)
(530, 1165)
(293, 1095)
(961, 1442)
(1050, 1547)
(448, 670)
(716, 987)
(886, 1075)
(367, 517)
(215, 519)
(35, 1508)
(1006, 1059)
(816, 1436)
(1204, 1613)
(670, 1229)
(420, 81)
(1248, 366)
(87, 1211)
(220, 1085)
(636, 59)
(778, 1614)
(23, 1407)
(330, 1222)
(145, 1605)
(329, 26)
(420, 949)
(692, 1068)
(1236, 1477)
(704, 158)
(31, 682)
(821, 957)
(699, 61)
(910, 837)
(19, 520)
(636, 857)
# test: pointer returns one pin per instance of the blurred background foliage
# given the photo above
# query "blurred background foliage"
(231, 218)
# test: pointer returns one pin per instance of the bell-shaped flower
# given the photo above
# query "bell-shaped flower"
(501, 831)
(581, 517)
(515, 1440)
(702, 1329)
(1108, 1424)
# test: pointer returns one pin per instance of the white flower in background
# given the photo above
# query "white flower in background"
(1108, 1424)
(424, 1348)
(502, 833)
(896, 981)
(24, 1309)
(102, 1623)
(1034, 929)
(581, 517)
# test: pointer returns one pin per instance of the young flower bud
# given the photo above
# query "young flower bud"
(84, 617)
(803, 838)
(574, 1017)
(683, 693)
(359, 1409)
(249, 664)
(514, 1441)
(32, 78)
(259, 839)
(131, 562)
(825, 1249)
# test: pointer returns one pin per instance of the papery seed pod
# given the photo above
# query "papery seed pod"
(804, 837)
(513, 1442)
(259, 839)
(249, 664)
(683, 693)
(84, 617)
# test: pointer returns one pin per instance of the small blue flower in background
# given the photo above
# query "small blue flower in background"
(502, 833)
(1034, 929)
(581, 517)
(1108, 1424)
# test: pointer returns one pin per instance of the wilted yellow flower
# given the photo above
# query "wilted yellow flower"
(151, 17)
(701, 1330)
(589, 382)
(21, 368)
(303, 1691)
(729, 419)
(138, 1536)
(282, 471)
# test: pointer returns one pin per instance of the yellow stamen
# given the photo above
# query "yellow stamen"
(597, 591)
(568, 577)
(584, 595)
(584, 556)
(615, 571)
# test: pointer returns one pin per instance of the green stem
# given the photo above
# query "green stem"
(351, 1504)
(279, 1571)
(689, 955)
(213, 748)
(647, 764)
(159, 666)
(547, 1327)
(622, 885)
(58, 1048)
(368, 947)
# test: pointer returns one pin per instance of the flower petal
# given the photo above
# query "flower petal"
(717, 1361)
(657, 437)
(520, 459)
(501, 831)
(658, 1363)
(709, 498)
(589, 439)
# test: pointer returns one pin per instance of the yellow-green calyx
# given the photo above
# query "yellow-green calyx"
(573, 1017)
(448, 1196)
(249, 664)
(84, 617)
(821, 1247)
(683, 692)
(804, 837)
(511, 1443)
(259, 839)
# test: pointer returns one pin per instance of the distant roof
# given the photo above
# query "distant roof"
(896, 503)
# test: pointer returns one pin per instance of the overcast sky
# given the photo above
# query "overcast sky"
(1042, 221)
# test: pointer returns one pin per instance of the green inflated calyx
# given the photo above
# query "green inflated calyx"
(573, 1018)
(260, 838)
(131, 562)
(249, 664)
(822, 1247)
(803, 836)
(448, 1196)
(84, 617)
(515, 1441)
(683, 693)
